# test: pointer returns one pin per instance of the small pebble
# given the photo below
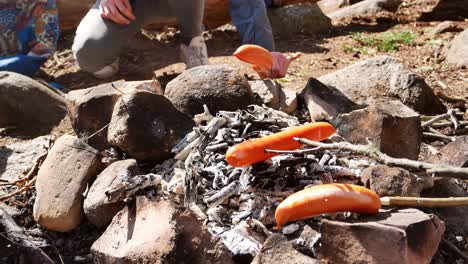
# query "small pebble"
(289, 229)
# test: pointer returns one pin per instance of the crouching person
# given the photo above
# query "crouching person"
(104, 31)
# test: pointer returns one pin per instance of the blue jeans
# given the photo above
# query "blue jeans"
(23, 64)
(251, 20)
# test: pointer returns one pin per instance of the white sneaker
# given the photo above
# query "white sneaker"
(195, 53)
(108, 71)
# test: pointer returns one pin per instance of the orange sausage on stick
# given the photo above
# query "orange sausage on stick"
(326, 198)
(260, 57)
(253, 151)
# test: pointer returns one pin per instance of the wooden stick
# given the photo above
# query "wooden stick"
(424, 202)
(455, 249)
(372, 152)
(438, 118)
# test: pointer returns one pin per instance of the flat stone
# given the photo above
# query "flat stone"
(17, 158)
(455, 153)
(458, 50)
(28, 104)
(61, 181)
(393, 181)
(391, 126)
(147, 126)
(288, 101)
(90, 110)
(157, 232)
(278, 250)
(96, 207)
(267, 92)
(325, 102)
(396, 236)
(372, 80)
(446, 26)
(303, 18)
(366, 8)
(220, 87)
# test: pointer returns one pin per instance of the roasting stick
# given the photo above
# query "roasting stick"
(424, 202)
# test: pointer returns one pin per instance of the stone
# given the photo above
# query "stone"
(267, 92)
(446, 26)
(391, 126)
(330, 6)
(26, 103)
(220, 87)
(18, 157)
(455, 153)
(306, 18)
(454, 217)
(371, 80)
(90, 110)
(242, 244)
(325, 102)
(366, 8)
(96, 207)
(144, 233)
(393, 181)
(147, 126)
(458, 50)
(278, 250)
(157, 232)
(61, 181)
(288, 101)
(446, 10)
(395, 236)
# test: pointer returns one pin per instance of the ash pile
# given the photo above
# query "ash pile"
(147, 170)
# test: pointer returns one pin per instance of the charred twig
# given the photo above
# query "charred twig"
(455, 249)
(23, 189)
(223, 194)
(15, 234)
(439, 136)
(126, 189)
(372, 152)
(447, 123)
(424, 202)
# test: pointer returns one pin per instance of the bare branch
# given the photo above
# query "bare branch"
(372, 152)
(424, 202)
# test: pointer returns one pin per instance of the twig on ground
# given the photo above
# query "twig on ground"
(455, 249)
(439, 136)
(298, 151)
(23, 189)
(33, 169)
(372, 152)
(447, 123)
(14, 233)
(447, 115)
(424, 202)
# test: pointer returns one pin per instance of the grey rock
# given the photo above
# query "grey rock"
(69, 167)
(446, 26)
(96, 207)
(267, 92)
(305, 18)
(278, 250)
(325, 102)
(90, 110)
(396, 236)
(391, 126)
(26, 103)
(455, 153)
(157, 232)
(220, 87)
(458, 51)
(17, 158)
(366, 8)
(147, 126)
(369, 81)
(330, 6)
(393, 181)
(288, 101)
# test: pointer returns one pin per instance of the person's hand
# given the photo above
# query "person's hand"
(40, 49)
(119, 11)
(280, 66)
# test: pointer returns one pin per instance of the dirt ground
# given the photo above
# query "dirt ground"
(155, 55)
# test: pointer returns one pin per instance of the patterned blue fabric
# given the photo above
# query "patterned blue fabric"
(28, 34)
